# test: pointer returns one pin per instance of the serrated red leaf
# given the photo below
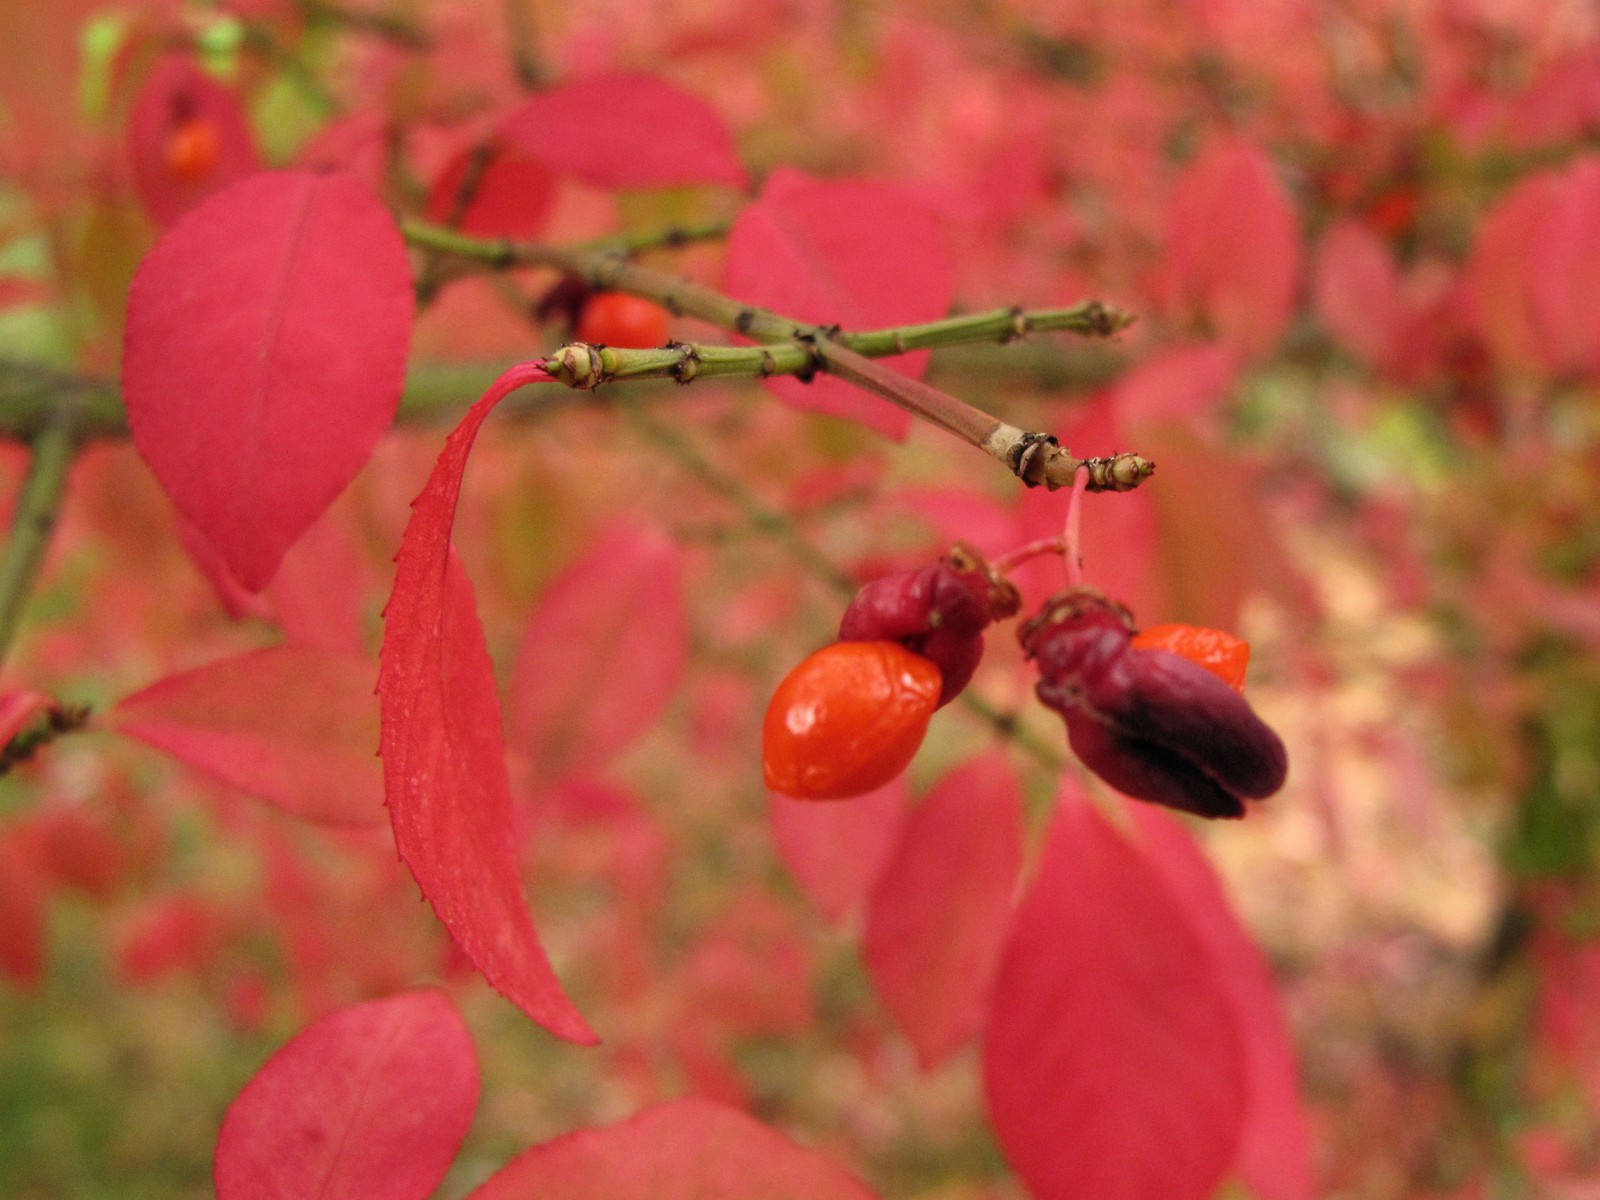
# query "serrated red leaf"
(940, 911)
(294, 726)
(835, 852)
(265, 353)
(370, 1103)
(625, 130)
(603, 653)
(1273, 1160)
(847, 252)
(681, 1150)
(443, 752)
(1234, 244)
(1112, 1060)
(177, 91)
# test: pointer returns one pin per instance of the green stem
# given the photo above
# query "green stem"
(32, 396)
(683, 361)
(1033, 457)
(31, 525)
(670, 237)
(795, 347)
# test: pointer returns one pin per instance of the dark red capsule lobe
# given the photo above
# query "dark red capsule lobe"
(1151, 723)
(938, 611)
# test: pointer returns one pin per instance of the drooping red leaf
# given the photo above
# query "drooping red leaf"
(603, 653)
(1356, 291)
(294, 726)
(1273, 1160)
(188, 137)
(940, 911)
(265, 353)
(846, 252)
(511, 198)
(681, 1150)
(445, 775)
(1234, 244)
(626, 130)
(835, 852)
(1112, 1060)
(370, 1103)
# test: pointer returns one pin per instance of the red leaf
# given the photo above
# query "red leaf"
(623, 130)
(237, 600)
(1501, 267)
(512, 197)
(1566, 271)
(319, 596)
(1273, 1161)
(22, 909)
(837, 851)
(296, 727)
(187, 138)
(1357, 291)
(370, 1103)
(443, 752)
(79, 852)
(603, 653)
(939, 913)
(1234, 244)
(849, 252)
(1112, 1059)
(680, 1150)
(265, 353)
(167, 935)
(17, 709)
(1183, 384)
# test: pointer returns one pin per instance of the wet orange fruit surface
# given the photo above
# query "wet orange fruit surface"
(847, 720)
(1219, 652)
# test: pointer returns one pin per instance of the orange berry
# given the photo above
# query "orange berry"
(618, 319)
(847, 720)
(192, 149)
(1224, 655)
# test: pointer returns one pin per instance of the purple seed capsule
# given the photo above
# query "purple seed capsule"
(1150, 723)
(938, 611)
